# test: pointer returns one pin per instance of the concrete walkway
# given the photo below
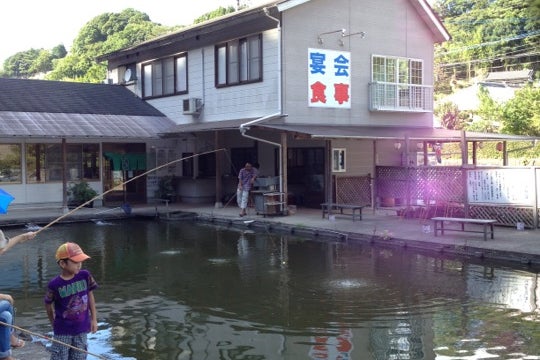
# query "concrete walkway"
(380, 226)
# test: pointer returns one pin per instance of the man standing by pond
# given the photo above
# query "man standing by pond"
(246, 178)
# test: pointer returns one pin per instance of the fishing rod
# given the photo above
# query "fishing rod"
(51, 339)
(120, 186)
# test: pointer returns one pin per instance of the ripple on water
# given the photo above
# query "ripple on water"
(219, 261)
(170, 252)
(347, 284)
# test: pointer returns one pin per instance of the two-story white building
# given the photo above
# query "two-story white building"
(308, 89)
(312, 90)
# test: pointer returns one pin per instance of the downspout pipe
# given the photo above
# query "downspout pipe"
(245, 127)
(280, 80)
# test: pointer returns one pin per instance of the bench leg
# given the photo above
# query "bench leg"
(485, 232)
(438, 228)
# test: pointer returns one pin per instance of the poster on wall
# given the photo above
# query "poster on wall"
(500, 186)
(329, 78)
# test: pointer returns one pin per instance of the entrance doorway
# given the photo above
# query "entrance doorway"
(123, 162)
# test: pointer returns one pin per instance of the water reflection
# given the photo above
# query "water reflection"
(181, 291)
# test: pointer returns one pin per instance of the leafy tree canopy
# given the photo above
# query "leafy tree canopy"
(214, 14)
(26, 64)
(103, 34)
(521, 114)
(487, 35)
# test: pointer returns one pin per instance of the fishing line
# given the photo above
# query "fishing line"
(51, 339)
(120, 186)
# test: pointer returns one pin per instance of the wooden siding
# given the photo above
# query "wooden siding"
(393, 28)
(227, 103)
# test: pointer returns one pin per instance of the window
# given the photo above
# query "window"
(239, 61)
(397, 70)
(44, 162)
(338, 160)
(398, 83)
(165, 77)
(10, 163)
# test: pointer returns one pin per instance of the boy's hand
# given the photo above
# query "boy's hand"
(28, 236)
(93, 327)
(6, 297)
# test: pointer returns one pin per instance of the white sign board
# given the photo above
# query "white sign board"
(500, 186)
(329, 78)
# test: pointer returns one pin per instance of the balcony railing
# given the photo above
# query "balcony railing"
(400, 97)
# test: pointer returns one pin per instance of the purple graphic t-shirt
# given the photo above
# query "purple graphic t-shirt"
(70, 298)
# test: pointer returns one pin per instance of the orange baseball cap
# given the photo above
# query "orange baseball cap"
(71, 251)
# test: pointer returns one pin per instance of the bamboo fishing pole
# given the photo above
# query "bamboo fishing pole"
(120, 186)
(51, 339)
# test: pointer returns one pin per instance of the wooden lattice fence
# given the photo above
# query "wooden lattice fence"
(443, 191)
(353, 190)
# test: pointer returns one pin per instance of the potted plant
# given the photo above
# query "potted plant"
(79, 193)
(167, 186)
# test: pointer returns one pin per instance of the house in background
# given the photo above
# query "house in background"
(311, 90)
(56, 133)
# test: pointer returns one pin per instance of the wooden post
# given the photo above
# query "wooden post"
(328, 172)
(535, 196)
(64, 175)
(219, 171)
(505, 153)
(464, 149)
(464, 161)
(284, 187)
(374, 177)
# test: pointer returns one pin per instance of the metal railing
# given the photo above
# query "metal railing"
(385, 96)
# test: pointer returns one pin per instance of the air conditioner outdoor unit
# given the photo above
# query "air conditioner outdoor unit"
(191, 106)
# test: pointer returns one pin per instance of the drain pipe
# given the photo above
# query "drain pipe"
(245, 127)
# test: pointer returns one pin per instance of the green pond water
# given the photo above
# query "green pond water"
(178, 290)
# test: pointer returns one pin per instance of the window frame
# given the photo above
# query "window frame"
(50, 163)
(151, 77)
(397, 75)
(7, 169)
(240, 63)
(339, 160)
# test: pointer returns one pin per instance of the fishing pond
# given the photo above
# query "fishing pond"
(182, 290)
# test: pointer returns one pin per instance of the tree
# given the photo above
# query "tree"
(487, 34)
(521, 114)
(449, 115)
(214, 14)
(103, 34)
(20, 64)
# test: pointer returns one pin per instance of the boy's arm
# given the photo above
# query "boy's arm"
(17, 239)
(50, 313)
(93, 313)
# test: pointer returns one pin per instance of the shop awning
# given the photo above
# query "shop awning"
(207, 126)
(390, 133)
(57, 125)
(126, 162)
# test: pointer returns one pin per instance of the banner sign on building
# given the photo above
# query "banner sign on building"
(500, 186)
(329, 78)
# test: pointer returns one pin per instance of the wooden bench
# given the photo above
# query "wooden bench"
(356, 209)
(438, 223)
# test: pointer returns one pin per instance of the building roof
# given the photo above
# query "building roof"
(511, 77)
(43, 108)
(236, 24)
(386, 133)
(467, 99)
(425, 11)
(206, 126)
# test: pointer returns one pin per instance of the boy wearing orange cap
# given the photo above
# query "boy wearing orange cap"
(70, 304)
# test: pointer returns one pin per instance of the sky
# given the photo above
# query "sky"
(26, 24)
